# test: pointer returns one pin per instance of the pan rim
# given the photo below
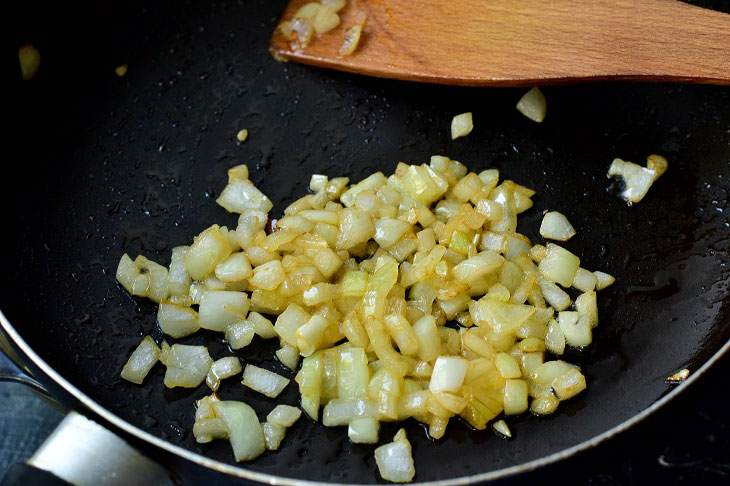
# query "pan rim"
(271, 479)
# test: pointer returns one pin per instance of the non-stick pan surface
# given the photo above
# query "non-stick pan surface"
(108, 165)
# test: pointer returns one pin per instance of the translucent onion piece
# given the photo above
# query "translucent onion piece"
(363, 430)
(221, 308)
(533, 105)
(143, 358)
(555, 226)
(273, 435)
(222, 368)
(461, 125)
(325, 20)
(448, 374)
(637, 179)
(246, 434)
(501, 428)
(208, 250)
(559, 265)
(284, 415)
(603, 280)
(177, 321)
(351, 40)
(264, 381)
(394, 460)
(342, 412)
(240, 195)
(187, 366)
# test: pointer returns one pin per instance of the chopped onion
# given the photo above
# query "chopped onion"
(533, 105)
(342, 412)
(351, 40)
(273, 435)
(555, 226)
(240, 195)
(264, 381)
(569, 384)
(461, 125)
(143, 358)
(678, 377)
(187, 366)
(501, 427)
(515, 397)
(448, 374)
(207, 251)
(177, 321)
(394, 460)
(221, 308)
(603, 280)
(577, 330)
(289, 356)
(637, 179)
(284, 415)
(559, 265)
(246, 434)
(363, 430)
(222, 368)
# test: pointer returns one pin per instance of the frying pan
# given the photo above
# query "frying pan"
(104, 165)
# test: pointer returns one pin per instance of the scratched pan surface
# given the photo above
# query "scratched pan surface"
(110, 165)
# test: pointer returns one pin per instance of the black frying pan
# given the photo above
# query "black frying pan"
(110, 165)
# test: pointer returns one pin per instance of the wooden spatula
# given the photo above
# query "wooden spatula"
(524, 42)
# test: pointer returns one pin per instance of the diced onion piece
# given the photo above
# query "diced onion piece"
(30, 61)
(311, 334)
(555, 226)
(240, 195)
(325, 20)
(221, 308)
(143, 358)
(603, 280)
(284, 415)
(554, 295)
(309, 379)
(515, 397)
(240, 334)
(127, 273)
(356, 227)
(559, 265)
(351, 40)
(288, 355)
(178, 278)
(678, 377)
(234, 268)
(472, 269)
(268, 276)
(177, 321)
(187, 366)
(569, 384)
(264, 381)
(584, 280)
(546, 373)
(429, 341)
(587, 306)
(221, 369)
(289, 321)
(207, 429)
(533, 105)
(577, 330)
(363, 430)
(388, 231)
(637, 179)
(657, 164)
(207, 251)
(461, 125)
(353, 374)
(341, 412)
(448, 374)
(242, 135)
(394, 460)
(501, 427)
(246, 435)
(502, 317)
(327, 262)
(273, 435)
(508, 366)
(555, 339)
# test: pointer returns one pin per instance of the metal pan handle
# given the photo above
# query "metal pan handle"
(80, 451)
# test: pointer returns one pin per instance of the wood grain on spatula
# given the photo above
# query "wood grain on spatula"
(525, 42)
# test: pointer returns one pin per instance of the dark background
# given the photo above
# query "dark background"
(676, 444)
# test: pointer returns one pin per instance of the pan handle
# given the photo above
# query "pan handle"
(81, 452)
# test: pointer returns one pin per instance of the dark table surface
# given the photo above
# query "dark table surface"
(686, 442)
